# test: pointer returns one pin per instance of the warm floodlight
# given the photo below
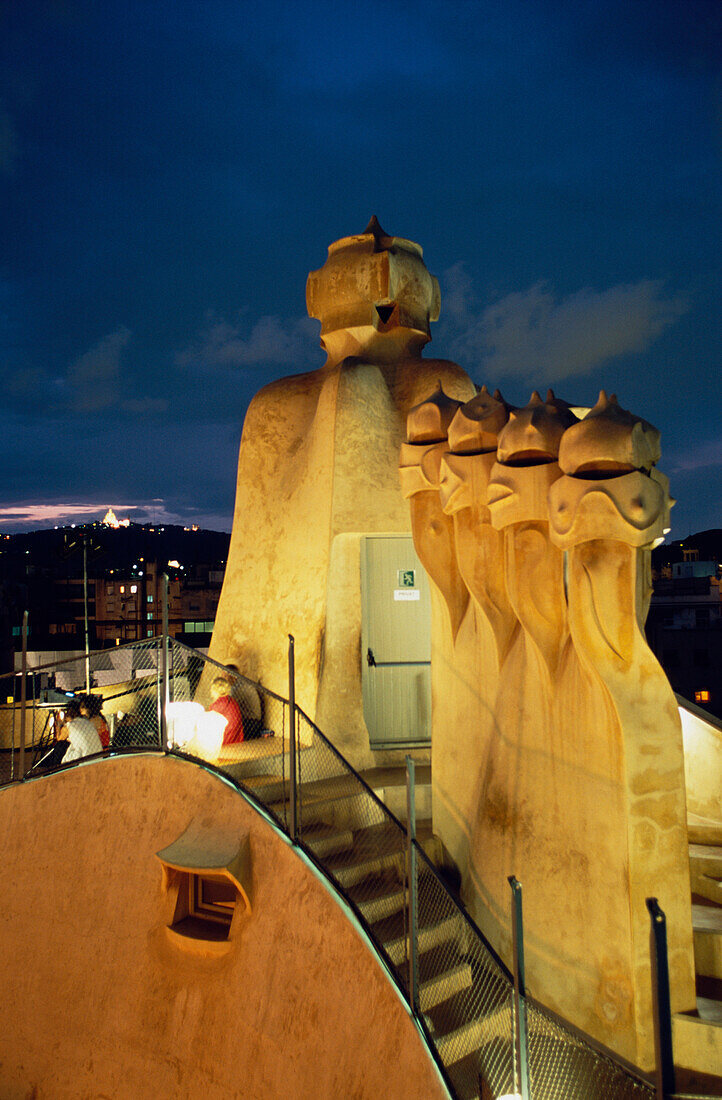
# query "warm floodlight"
(182, 720)
(209, 733)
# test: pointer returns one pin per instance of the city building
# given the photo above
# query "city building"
(684, 625)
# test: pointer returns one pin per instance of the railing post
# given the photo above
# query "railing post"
(166, 670)
(411, 863)
(293, 792)
(521, 1060)
(163, 673)
(665, 1076)
(85, 613)
(23, 696)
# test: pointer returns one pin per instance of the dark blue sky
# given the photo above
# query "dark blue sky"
(170, 172)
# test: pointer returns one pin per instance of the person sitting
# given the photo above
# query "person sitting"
(91, 707)
(246, 695)
(224, 703)
(79, 732)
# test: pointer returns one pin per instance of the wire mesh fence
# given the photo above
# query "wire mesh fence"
(465, 991)
(160, 695)
(562, 1066)
(356, 840)
(117, 691)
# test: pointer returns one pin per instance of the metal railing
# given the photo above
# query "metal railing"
(489, 1038)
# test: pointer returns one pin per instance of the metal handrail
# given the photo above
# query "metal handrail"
(462, 911)
(352, 771)
(224, 668)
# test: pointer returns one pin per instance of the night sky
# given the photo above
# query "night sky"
(171, 171)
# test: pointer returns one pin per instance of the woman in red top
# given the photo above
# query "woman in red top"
(224, 703)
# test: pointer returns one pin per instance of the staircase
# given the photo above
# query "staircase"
(364, 852)
(697, 1036)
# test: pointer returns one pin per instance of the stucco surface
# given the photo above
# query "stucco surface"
(97, 1001)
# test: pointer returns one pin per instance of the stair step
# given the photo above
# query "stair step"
(326, 842)
(444, 985)
(708, 856)
(704, 830)
(378, 896)
(704, 886)
(707, 937)
(710, 1009)
(457, 1044)
(697, 1042)
(707, 918)
(456, 1035)
(351, 867)
(467, 1076)
(705, 872)
(375, 848)
(390, 933)
(442, 972)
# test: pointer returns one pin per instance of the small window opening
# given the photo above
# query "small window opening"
(212, 899)
(205, 907)
(205, 897)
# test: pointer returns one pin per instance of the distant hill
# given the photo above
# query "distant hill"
(110, 548)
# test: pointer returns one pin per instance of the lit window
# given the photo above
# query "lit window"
(150, 599)
(701, 696)
(134, 588)
(149, 615)
(149, 633)
(122, 589)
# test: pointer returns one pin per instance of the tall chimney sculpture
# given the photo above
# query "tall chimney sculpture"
(317, 472)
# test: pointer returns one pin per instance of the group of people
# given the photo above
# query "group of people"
(80, 729)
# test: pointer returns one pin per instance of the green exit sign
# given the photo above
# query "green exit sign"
(407, 578)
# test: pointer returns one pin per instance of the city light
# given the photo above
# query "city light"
(111, 520)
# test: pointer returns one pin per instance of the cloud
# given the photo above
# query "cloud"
(32, 517)
(699, 458)
(534, 334)
(94, 380)
(270, 341)
(42, 515)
